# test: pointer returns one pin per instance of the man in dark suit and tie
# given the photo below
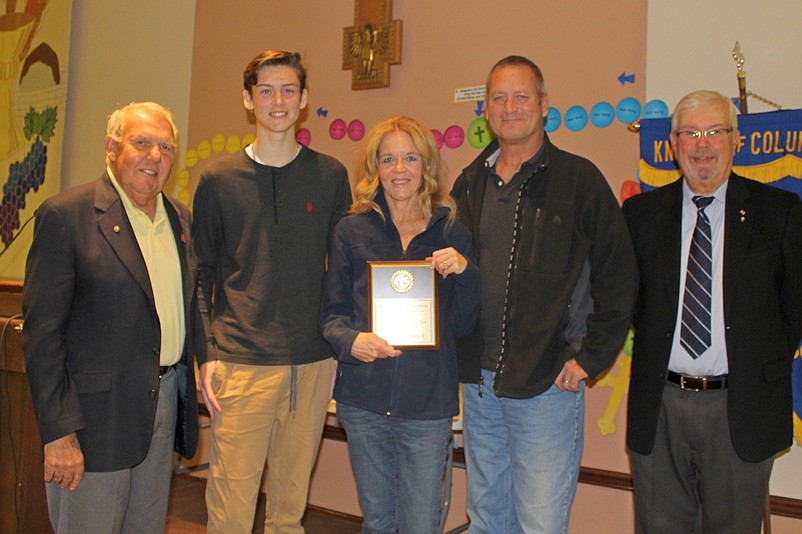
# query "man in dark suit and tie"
(717, 321)
(108, 334)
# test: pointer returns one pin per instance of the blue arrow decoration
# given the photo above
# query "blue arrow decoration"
(322, 112)
(626, 78)
(480, 104)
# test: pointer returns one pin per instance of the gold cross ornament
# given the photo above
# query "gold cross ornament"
(372, 44)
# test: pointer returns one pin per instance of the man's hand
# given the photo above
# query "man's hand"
(570, 377)
(206, 370)
(64, 462)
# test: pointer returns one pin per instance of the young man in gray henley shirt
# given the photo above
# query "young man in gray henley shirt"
(263, 218)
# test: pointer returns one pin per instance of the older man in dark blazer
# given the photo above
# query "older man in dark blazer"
(718, 318)
(108, 334)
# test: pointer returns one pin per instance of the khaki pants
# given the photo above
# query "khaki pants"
(262, 420)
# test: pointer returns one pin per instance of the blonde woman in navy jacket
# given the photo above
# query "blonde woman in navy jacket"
(396, 406)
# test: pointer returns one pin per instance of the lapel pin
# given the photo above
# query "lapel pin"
(116, 229)
(183, 238)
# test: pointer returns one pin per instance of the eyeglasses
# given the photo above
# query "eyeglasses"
(716, 134)
(145, 145)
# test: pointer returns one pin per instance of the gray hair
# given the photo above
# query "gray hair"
(116, 123)
(701, 99)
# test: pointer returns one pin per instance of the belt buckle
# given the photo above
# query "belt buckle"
(683, 378)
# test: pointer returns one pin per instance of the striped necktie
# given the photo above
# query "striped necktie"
(695, 331)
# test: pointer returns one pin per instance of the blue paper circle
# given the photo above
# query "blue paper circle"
(576, 118)
(553, 119)
(628, 110)
(602, 115)
(655, 109)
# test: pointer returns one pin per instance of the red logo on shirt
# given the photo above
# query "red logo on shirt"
(309, 207)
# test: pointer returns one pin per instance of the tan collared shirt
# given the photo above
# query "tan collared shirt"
(157, 243)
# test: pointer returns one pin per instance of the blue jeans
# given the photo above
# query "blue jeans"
(523, 458)
(399, 465)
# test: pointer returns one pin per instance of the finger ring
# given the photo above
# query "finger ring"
(445, 266)
(566, 381)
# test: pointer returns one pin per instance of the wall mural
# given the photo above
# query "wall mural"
(34, 51)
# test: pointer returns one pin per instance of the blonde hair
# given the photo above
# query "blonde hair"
(431, 194)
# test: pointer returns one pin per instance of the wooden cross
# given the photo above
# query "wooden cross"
(372, 44)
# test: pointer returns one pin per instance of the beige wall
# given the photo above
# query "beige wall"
(448, 44)
(690, 47)
(156, 50)
(123, 52)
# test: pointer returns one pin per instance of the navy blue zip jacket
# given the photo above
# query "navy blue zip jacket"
(420, 384)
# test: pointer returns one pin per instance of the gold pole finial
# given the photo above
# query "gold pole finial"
(738, 56)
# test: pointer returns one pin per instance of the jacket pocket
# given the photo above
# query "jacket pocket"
(92, 382)
(778, 369)
(550, 241)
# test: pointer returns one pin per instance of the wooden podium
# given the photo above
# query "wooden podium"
(23, 505)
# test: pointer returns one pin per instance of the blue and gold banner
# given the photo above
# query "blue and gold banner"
(797, 380)
(769, 151)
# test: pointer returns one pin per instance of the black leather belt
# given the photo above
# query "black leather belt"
(697, 383)
(163, 369)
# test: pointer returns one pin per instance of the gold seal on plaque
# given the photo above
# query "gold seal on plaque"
(402, 281)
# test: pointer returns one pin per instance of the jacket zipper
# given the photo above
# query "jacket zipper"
(536, 238)
(513, 266)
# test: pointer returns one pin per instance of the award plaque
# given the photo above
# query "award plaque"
(403, 306)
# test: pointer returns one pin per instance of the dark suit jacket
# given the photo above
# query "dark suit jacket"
(762, 310)
(91, 335)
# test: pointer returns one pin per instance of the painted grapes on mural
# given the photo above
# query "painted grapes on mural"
(27, 174)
